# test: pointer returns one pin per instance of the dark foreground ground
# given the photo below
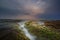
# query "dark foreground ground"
(9, 30)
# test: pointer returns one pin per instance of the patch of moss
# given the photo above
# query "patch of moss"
(42, 32)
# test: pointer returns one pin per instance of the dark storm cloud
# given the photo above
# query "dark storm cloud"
(10, 13)
(53, 12)
(52, 16)
(55, 6)
(10, 9)
(6, 8)
(15, 8)
(5, 13)
(45, 9)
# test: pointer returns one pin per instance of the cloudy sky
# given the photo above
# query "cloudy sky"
(30, 9)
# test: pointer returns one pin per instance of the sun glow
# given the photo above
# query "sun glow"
(34, 9)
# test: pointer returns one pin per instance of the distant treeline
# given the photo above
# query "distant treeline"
(9, 20)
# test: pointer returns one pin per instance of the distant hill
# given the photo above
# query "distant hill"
(54, 24)
(10, 20)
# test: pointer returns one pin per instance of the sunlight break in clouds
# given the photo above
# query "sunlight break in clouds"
(33, 8)
(23, 8)
(27, 17)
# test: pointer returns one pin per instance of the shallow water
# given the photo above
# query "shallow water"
(25, 30)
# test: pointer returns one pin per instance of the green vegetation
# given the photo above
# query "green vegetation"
(42, 32)
(9, 30)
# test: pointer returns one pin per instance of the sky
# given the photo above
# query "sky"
(30, 9)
